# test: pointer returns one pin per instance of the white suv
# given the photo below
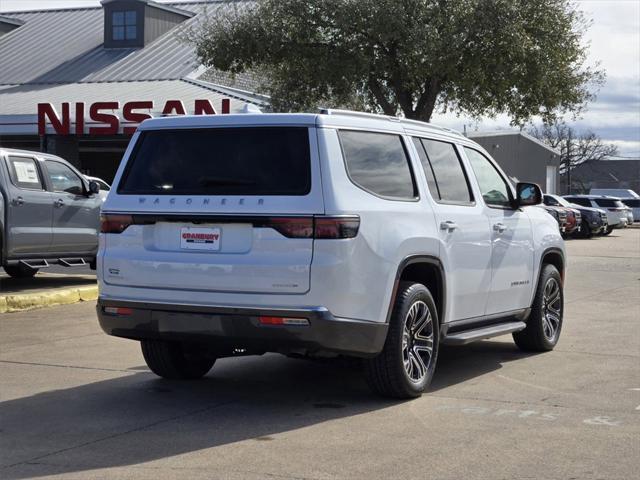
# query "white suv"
(321, 235)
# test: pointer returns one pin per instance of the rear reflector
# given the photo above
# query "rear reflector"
(114, 223)
(295, 322)
(290, 227)
(118, 310)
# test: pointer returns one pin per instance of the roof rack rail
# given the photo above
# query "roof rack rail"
(354, 113)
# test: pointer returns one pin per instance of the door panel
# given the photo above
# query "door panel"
(29, 209)
(511, 238)
(76, 217)
(511, 261)
(467, 251)
(465, 241)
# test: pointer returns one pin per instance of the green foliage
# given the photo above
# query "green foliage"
(410, 57)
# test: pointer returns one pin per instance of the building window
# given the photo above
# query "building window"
(124, 25)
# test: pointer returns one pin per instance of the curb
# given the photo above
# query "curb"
(31, 301)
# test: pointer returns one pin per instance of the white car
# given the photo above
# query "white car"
(328, 234)
(617, 216)
(634, 205)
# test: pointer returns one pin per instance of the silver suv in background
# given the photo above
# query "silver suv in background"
(616, 211)
(49, 213)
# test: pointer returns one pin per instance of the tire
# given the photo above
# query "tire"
(545, 321)
(608, 231)
(399, 371)
(174, 361)
(20, 271)
(586, 232)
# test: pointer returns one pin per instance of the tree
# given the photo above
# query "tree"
(575, 148)
(479, 57)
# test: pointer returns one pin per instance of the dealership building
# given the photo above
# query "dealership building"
(76, 82)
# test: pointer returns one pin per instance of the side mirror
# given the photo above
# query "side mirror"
(528, 194)
(94, 187)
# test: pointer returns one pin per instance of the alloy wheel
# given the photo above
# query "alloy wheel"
(551, 309)
(417, 341)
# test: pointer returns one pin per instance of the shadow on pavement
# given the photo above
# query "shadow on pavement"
(43, 281)
(139, 418)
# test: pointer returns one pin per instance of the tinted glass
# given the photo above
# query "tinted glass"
(103, 186)
(493, 187)
(607, 202)
(632, 203)
(550, 200)
(378, 163)
(426, 166)
(63, 179)
(220, 161)
(448, 172)
(24, 173)
(585, 202)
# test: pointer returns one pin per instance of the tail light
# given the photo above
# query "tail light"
(336, 227)
(318, 227)
(115, 223)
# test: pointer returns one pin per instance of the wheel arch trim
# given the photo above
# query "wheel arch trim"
(441, 279)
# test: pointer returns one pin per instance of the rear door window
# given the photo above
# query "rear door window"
(608, 203)
(632, 203)
(24, 173)
(585, 202)
(441, 160)
(220, 161)
(378, 163)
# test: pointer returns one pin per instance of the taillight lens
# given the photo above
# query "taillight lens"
(290, 227)
(336, 227)
(316, 227)
(114, 223)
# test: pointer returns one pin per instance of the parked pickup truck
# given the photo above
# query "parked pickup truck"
(49, 213)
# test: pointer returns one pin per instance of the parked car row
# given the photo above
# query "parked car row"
(588, 215)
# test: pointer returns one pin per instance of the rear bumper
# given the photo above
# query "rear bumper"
(229, 328)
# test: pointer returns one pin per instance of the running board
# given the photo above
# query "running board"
(72, 262)
(35, 263)
(468, 336)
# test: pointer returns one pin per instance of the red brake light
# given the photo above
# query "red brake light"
(118, 310)
(293, 322)
(291, 227)
(336, 227)
(114, 223)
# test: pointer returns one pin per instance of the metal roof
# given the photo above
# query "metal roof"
(66, 46)
(505, 133)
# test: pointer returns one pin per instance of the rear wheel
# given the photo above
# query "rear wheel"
(20, 271)
(608, 231)
(174, 360)
(545, 321)
(405, 366)
(586, 231)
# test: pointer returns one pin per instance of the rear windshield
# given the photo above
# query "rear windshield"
(632, 203)
(607, 202)
(220, 161)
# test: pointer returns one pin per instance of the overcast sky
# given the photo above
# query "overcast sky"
(615, 43)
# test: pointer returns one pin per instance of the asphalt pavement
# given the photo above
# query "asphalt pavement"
(75, 403)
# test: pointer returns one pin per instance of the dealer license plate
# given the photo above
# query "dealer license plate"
(200, 238)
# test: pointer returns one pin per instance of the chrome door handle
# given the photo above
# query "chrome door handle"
(59, 203)
(18, 201)
(499, 227)
(449, 226)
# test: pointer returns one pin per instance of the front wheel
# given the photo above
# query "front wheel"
(405, 366)
(20, 271)
(608, 231)
(545, 321)
(175, 361)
